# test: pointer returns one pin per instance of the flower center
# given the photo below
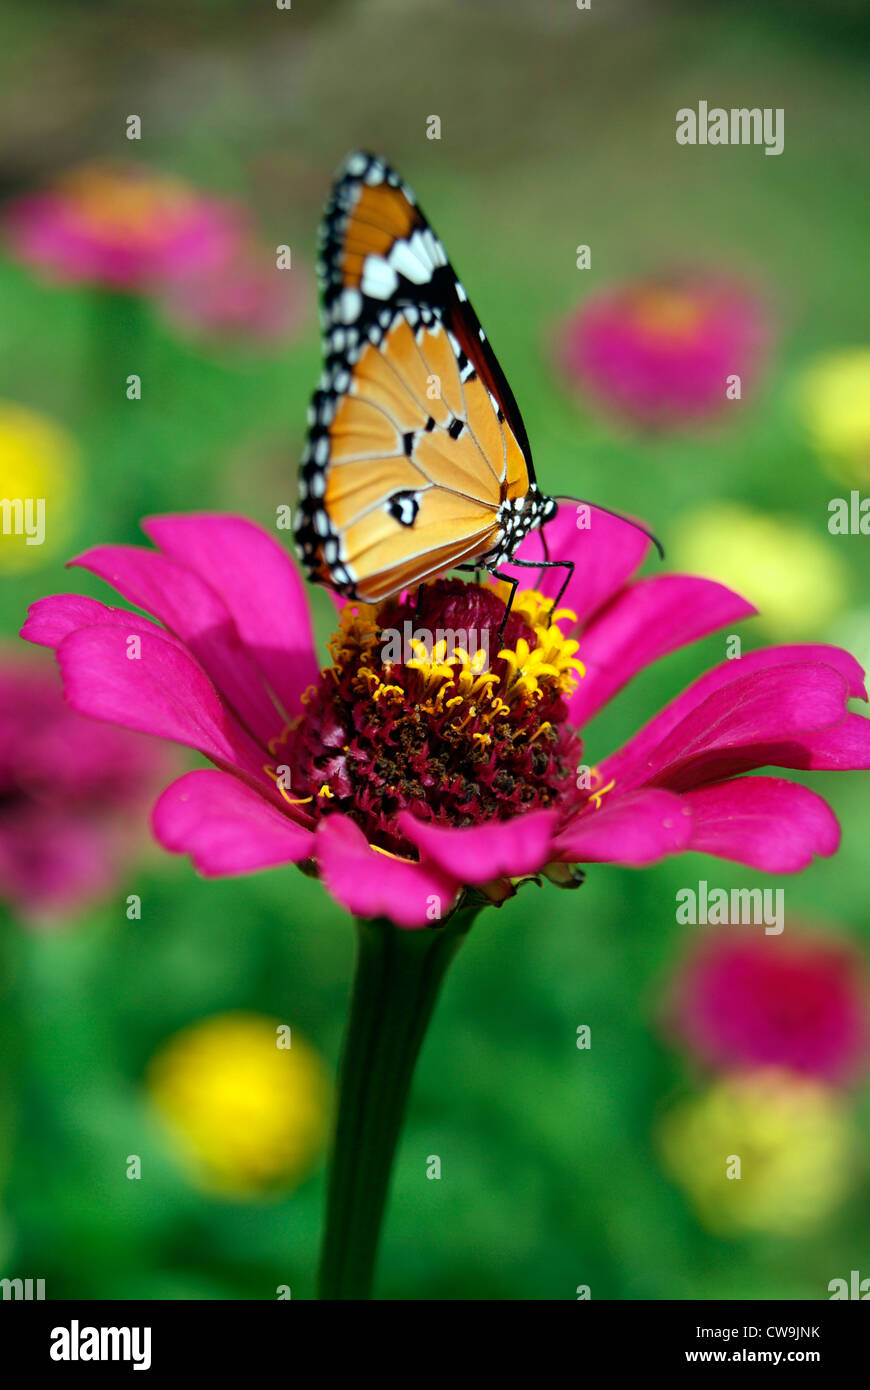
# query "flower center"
(666, 313)
(122, 205)
(431, 708)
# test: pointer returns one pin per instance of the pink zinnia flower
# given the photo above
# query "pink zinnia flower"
(71, 793)
(402, 785)
(802, 1003)
(124, 228)
(249, 299)
(661, 352)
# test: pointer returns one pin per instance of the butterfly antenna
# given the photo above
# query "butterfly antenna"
(638, 526)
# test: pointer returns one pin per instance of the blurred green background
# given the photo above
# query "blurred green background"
(557, 129)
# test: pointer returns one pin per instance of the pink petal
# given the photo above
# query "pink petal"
(636, 829)
(767, 822)
(193, 612)
(640, 747)
(604, 556)
(643, 623)
(370, 884)
(226, 827)
(163, 692)
(51, 619)
(260, 586)
(476, 854)
(779, 704)
(845, 746)
(842, 747)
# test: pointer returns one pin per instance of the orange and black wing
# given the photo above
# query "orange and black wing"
(416, 459)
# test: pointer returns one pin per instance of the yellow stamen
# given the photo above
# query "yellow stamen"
(384, 690)
(596, 796)
(276, 778)
(542, 730)
(389, 854)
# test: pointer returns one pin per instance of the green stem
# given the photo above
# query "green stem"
(398, 977)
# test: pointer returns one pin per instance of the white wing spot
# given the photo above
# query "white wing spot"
(436, 252)
(379, 279)
(349, 305)
(410, 259)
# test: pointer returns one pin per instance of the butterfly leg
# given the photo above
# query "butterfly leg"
(508, 579)
(570, 567)
(472, 569)
(515, 584)
(548, 565)
(546, 560)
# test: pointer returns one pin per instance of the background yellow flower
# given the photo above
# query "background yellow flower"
(852, 631)
(248, 1112)
(37, 461)
(834, 400)
(789, 572)
(792, 1139)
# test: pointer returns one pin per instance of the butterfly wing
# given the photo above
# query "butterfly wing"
(415, 442)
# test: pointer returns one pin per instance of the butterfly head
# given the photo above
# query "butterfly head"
(517, 517)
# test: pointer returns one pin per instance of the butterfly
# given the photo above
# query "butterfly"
(417, 460)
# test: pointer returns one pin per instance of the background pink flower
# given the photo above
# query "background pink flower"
(799, 1002)
(248, 299)
(73, 793)
(659, 351)
(122, 227)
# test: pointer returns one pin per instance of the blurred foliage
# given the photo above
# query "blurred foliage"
(557, 129)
